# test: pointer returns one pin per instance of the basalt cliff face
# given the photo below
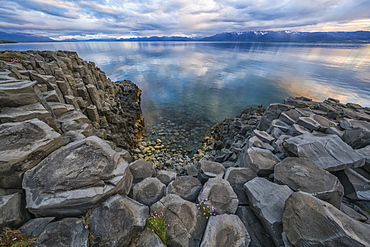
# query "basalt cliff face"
(295, 174)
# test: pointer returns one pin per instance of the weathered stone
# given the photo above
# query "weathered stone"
(149, 191)
(290, 116)
(309, 221)
(353, 213)
(116, 221)
(142, 169)
(308, 123)
(265, 137)
(356, 187)
(148, 238)
(329, 152)
(186, 187)
(237, 177)
(212, 169)
(92, 113)
(18, 93)
(271, 113)
(359, 135)
(258, 235)
(23, 145)
(166, 176)
(324, 122)
(66, 232)
(262, 161)
(302, 174)
(187, 223)
(297, 129)
(267, 201)
(35, 227)
(254, 141)
(12, 211)
(365, 153)
(221, 195)
(278, 124)
(225, 230)
(74, 178)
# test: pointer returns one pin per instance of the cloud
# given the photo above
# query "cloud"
(182, 17)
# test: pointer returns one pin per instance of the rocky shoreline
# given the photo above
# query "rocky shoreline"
(75, 172)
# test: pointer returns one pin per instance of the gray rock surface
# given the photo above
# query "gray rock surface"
(258, 235)
(23, 145)
(271, 113)
(308, 123)
(142, 169)
(237, 177)
(329, 152)
(187, 223)
(186, 187)
(12, 211)
(75, 177)
(117, 220)
(262, 161)
(67, 232)
(35, 227)
(356, 187)
(267, 201)
(309, 221)
(18, 93)
(148, 238)
(359, 135)
(212, 169)
(265, 137)
(149, 191)
(225, 230)
(302, 174)
(221, 195)
(166, 176)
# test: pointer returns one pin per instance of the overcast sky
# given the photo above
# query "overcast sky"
(62, 19)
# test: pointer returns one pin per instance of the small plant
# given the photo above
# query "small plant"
(11, 56)
(14, 238)
(206, 208)
(157, 224)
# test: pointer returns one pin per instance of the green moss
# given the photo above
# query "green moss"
(14, 238)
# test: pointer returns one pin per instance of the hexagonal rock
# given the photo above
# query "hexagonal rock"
(75, 177)
(186, 187)
(225, 230)
(18, 93)
(187, 223)
(308, 123)
(262, 161)
(166, 176)
(117, 220)
(142, 169)
(308, 221)
(237, 177)
(221, 196)
(290, 116)
(65, 232)
(12, 211)
(267, 201)
(23, 145)
(271, 113)
(329, 152)
(265, 137)
(212, 169)
(149, 191)
(302, 174)
(149, 239)
(358, 136)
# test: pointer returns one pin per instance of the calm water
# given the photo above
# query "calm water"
(188, 86)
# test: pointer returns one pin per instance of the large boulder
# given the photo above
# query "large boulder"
(12, 211)
(187, 223)
(329, 152)
(221, 195)
(237, 177)
(149, 191)
(225, 230)
(308, 221)
(64, 233)
(23, 145)
(74, 178)
(358, 135)
(271, 113)
(35, 227)
(117, 220)
(141, 170)
(18, 93)
(148, 238)
(267, 201)
(356, 187)
(212, 169)
(262, 161)
(302, 174)
(186, 187)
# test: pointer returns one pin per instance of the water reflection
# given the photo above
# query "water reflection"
(202, 83)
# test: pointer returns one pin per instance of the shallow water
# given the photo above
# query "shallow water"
(188, 86)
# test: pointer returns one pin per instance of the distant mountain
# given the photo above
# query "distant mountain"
(152, 38)
(287, 36)
(23, 37)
